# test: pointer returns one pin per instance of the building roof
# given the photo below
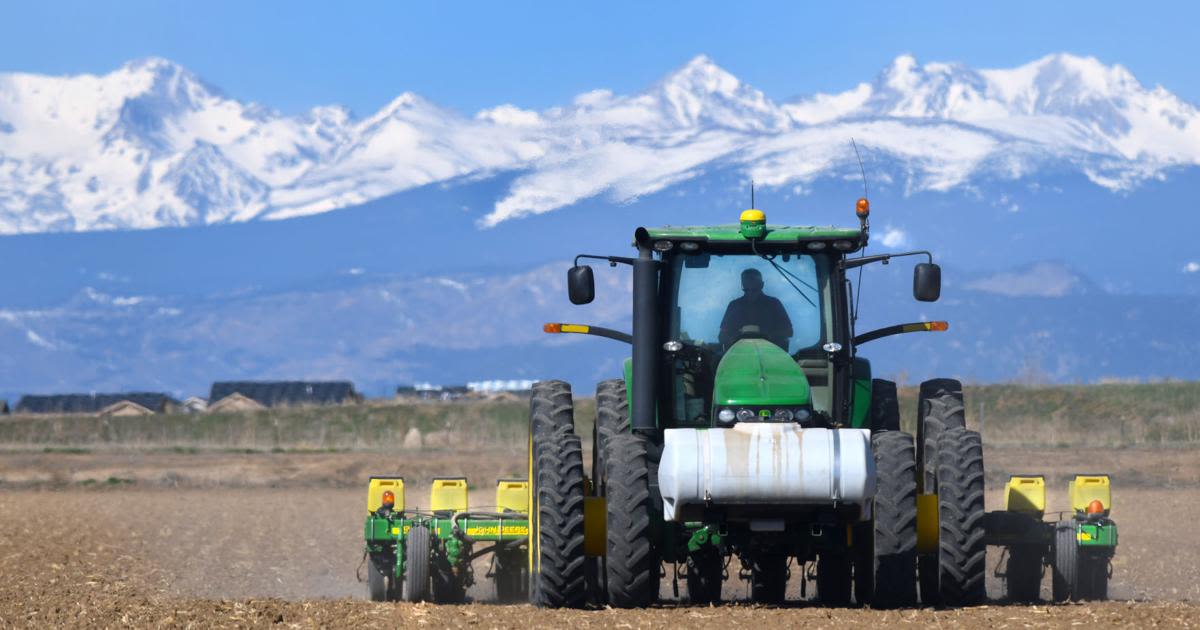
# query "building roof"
(286, 393)
(233, 402)
(125, 408)
(92, 403)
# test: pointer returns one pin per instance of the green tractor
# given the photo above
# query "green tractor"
(747, 426)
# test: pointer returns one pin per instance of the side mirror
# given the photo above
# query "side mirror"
(581, 286)
(927, 282)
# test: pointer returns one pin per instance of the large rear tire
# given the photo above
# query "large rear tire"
(416, 564)
(888, 552)
(939, 408)
(550, 406)
(631, 559)
(558, 574)
(961, 547)
(885, 406)
(555, 555)
(612, 418)
(927, 578)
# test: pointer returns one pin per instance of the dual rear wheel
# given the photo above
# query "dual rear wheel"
(557, 576)
(951, 459)
(947, 459)
(629, 570)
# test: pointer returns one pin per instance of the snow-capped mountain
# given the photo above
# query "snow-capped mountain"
(150, 144)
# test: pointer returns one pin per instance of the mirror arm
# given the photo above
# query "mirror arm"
(612, 260)
(851, 263)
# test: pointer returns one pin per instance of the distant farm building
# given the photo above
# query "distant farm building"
(478, 389)
(284, 393)
(106, 404)
(234, 403)
(427, 391)
(195, 404)
(125, 408)
(492, 388)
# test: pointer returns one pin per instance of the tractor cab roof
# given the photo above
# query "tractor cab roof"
(842, 239)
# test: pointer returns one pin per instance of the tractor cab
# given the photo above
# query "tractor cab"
(746, 333)
(747, 322)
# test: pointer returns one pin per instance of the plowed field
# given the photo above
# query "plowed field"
(262, 539)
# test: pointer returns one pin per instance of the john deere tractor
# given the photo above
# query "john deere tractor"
(747, 434)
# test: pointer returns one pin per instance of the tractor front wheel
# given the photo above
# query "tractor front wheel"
(833, 578)
(768, 578)
(705, 576)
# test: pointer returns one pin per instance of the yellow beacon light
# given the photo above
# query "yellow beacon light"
(753, 223)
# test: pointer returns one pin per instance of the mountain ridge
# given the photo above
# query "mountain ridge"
(151, 144)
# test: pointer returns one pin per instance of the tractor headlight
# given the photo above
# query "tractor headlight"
(782, 415)
(745, 415)
(726, 416)
(802, 414)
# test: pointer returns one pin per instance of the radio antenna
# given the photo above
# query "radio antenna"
(866, 195)
(752, 194)
(862, 169)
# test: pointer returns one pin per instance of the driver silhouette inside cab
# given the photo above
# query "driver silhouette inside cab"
(755, 308)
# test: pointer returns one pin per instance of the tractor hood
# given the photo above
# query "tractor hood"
(756, 372)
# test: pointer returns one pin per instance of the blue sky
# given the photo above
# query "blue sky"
(293, 55)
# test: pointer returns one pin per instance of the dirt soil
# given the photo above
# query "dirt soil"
(261, 539)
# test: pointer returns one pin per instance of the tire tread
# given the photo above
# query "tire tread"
(631, 560)
(961, 547)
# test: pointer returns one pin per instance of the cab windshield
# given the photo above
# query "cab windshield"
(720, 299)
